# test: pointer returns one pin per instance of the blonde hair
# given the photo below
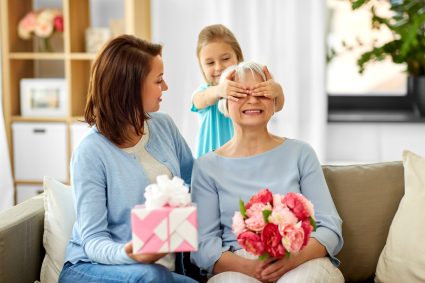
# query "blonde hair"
(215, 33)
(241, 71)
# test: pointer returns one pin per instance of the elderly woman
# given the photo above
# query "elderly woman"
(254, 159)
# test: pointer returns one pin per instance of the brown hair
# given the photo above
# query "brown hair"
(218, 33)
(114, 99)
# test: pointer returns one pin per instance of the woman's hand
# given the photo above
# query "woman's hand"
(274, 269)
(142, 258)
(255, 268)
(230, 89)
(278, 267)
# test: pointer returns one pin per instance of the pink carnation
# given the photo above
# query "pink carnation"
(301, 207)
(27, 25)
(238, 223)
(251, 242)
(272, 240)
(278, 201)
(306, 226)
(255, 223)
(58, 23)
(264, 196)
(257, 208)
(282, 215)
(292, 237)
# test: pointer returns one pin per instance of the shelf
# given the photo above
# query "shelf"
(38, 119)
(32, 182)
(37, 56)
(22, 59)
(51, 56)
(82, 56)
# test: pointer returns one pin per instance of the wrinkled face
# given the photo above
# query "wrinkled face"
(215, 57)
(251, 110)
(154, 86)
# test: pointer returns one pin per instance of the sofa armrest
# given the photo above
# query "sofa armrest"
(21, 241)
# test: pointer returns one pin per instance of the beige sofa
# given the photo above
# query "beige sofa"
(366, 196)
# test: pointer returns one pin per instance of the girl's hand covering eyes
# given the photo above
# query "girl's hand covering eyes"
(230, 89)
(269, 88)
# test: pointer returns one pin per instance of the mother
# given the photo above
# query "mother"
(126, 149)
(254, 159)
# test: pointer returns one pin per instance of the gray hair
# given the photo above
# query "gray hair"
(241, 71)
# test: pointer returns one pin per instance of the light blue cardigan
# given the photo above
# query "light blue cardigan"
(218, 183)
(107, 182)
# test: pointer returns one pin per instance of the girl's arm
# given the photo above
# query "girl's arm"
(226, 89)
(205, 98)
(279, 267)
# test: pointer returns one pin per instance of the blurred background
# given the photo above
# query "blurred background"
(311, 48)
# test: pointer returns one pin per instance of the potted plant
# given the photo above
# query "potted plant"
(407, 24)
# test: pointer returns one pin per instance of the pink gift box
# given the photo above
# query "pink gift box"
(165, 229)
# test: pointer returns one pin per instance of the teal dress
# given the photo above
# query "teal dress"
(215, 128)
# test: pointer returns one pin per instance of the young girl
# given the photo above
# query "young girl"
(218, 49)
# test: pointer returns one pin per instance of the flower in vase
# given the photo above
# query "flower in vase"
(42, 23)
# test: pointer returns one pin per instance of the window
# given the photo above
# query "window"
(380, 93)
(349, 35)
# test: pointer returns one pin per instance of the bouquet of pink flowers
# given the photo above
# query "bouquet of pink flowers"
(274, 225)
(41, 23)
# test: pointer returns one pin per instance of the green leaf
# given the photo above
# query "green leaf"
(264, 256)
(287, 254)
(242, 208)
(266, 214)
(358, 3)
(312, 223)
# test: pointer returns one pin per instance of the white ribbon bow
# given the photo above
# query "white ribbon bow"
(172, 192)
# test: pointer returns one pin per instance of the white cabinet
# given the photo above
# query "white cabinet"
(24, 192)
(373, 142)
(40, 149)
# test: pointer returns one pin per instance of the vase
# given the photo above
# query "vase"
(416, 92)
(44, 44)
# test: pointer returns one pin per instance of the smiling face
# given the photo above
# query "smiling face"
(251, 110)
(215, 57)
(153, 86)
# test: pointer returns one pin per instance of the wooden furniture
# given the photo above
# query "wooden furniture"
(20, 59)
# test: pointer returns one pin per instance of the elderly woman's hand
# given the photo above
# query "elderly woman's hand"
(230, 89)
(269, 88)
(277, 268)
(142, 258)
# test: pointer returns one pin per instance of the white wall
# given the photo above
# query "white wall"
(373, 142)
(345, 142)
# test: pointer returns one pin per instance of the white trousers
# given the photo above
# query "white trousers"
(319, 270)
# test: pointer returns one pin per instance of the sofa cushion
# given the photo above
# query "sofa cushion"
(404, 253)
(58, 222)
(21, 233)
(366, 197)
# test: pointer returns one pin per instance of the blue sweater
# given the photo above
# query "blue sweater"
(219, 182)
(107, 182)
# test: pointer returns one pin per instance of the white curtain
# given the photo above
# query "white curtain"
(6, 181)
(286, 35)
